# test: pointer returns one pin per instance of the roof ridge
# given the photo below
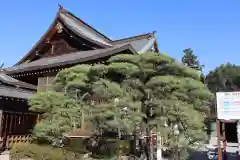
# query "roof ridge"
(40, 40)
(63, 10)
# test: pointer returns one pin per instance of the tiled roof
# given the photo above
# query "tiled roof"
(141, 45)
(16, 83)
(10, 87)
(137, 44)
(15, 92)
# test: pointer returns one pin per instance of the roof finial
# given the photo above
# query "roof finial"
(152, 34)
(60, 7)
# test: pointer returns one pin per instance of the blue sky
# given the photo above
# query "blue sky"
(210, 27)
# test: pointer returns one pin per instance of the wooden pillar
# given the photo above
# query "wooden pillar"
(23, 123)
(219, 140)
(1, 130)
(11, 123)
(15, 122)
(27, 122)
(238, 135)
(5, 132)
(1, 123)
(82, 120)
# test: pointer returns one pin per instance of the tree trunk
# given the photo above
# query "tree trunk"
(149, 145)
(174, 154)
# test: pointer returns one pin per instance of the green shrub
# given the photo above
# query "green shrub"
(41, 152)
(104, 148)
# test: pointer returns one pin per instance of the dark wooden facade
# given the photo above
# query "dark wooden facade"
(16, 121)
(67, 42)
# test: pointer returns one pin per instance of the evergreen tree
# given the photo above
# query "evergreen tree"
(190, 60)
(150, 92)
(224, 78)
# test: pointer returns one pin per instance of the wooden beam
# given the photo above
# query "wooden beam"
(51, 33)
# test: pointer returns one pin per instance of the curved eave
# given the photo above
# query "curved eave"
(15, 92)
(52, 29)
(40, 41)
(14, 82)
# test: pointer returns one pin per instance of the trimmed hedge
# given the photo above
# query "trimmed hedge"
(74, 150)
(41, 152)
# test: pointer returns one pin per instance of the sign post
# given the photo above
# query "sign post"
(224, 141)
(228, 108)
(219, 140)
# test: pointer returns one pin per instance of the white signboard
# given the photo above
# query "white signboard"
(228, 105)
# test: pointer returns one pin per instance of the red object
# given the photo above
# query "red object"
(154, 139)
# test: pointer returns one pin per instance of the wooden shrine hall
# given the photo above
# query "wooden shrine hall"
(67, 42)
(15, 119)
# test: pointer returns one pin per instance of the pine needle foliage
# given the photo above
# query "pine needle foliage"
(173, 91)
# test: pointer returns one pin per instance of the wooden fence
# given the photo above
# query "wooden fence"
(16, 127)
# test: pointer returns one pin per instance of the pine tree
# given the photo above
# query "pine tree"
(190, 60)
(150, 92)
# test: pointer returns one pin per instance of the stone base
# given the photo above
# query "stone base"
(5, 157)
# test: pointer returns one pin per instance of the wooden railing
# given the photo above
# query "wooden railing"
(11, 140)
(15, 139)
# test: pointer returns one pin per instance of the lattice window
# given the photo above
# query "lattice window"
(42, 84)
(50, 80)
(45, 83)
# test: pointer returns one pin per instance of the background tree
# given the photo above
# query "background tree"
(224, 78)
(154, 92)
(190, 60)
